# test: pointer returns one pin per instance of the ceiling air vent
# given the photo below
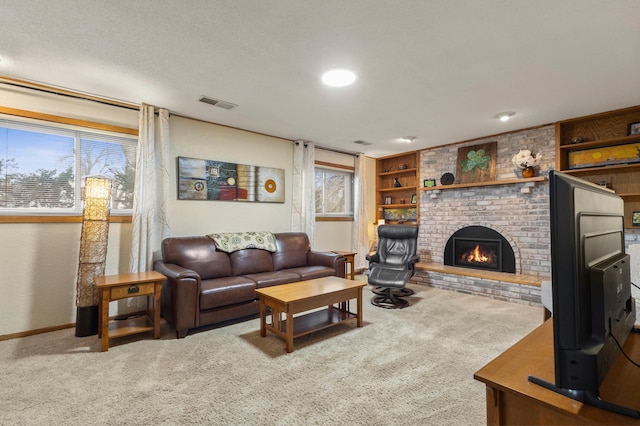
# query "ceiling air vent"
(218, 103)
(363, 143)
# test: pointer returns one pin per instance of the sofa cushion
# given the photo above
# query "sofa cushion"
(267, 279)
(250, 261)
(311, 272)
(226, 291)
(198, 254)
(292, 250)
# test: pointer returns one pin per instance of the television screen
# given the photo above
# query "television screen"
(592, 304)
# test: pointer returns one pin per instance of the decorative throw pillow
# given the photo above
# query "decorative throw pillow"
(234, 241)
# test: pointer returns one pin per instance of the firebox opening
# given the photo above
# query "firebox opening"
(478, 253)
(481, 248)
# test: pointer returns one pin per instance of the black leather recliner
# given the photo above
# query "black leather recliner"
(391, 267)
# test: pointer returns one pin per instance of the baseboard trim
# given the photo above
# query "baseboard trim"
(36, 331)
(61, 327)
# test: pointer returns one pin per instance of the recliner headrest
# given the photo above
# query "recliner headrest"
(398, 231)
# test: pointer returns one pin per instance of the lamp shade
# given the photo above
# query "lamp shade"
(93, 252)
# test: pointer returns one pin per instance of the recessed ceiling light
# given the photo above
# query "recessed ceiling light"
(505, 116)
(338, 78)
(408, 139)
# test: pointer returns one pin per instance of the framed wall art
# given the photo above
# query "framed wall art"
(400, 215)
(635, 219)
(604, 156)
(428, 183)
(200, 179)
(477, 163)
(634, 129)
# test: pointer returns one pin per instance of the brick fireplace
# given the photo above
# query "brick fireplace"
(518, 212)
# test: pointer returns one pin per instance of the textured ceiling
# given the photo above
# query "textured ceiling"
(437, 70)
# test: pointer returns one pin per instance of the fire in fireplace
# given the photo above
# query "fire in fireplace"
(478, 253)
(481, 248)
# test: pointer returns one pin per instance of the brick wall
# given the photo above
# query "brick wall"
(521, 217)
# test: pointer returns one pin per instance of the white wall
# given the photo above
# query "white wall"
(39, 261)
(197, 139)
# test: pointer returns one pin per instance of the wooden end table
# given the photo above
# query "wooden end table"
(290, 299)
(122, 286)
(350, 257)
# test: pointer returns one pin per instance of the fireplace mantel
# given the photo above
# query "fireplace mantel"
(528, 183)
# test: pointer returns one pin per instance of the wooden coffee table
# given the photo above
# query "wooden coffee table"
(290, 299)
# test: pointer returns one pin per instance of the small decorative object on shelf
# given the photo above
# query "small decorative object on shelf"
(414, 198)
(396, 183)
(577, 139)
(526, 160)
(447, 179)
(635, 219)
(605, 184)
(429, 183)
(402, 167)
(387, 200)
(634, 129)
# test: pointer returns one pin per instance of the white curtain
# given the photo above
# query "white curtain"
(151, 190)
(360, 220)
(303, 201)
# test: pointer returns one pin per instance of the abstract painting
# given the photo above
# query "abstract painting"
(200, 179)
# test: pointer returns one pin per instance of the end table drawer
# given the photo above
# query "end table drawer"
(131, 290)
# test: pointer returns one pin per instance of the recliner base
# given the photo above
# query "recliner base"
(399, 292)
(389, 300)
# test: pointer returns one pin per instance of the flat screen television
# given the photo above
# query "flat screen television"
(591, 288)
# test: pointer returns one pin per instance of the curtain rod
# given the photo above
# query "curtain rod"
(65, 92)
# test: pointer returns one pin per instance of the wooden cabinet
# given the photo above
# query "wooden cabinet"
(593, 136)
(398, 204)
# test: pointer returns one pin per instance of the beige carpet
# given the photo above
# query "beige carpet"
(412, 366)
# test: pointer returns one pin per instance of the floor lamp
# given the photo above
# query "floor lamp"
(93, 253)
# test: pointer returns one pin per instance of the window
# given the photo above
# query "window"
(42, 167)
(334, 193)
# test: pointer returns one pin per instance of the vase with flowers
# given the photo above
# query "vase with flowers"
(526, 160)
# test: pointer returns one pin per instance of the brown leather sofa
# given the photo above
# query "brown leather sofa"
(205, 286)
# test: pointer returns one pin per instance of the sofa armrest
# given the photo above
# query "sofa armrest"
(174, 272)
(179, 296)
(329, 259)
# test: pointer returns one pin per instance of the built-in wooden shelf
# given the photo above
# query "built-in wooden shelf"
(397, 206)
(398, 172)
(402, 169)
(600, 143)
(491, 183)
(531, 280)
(399, 188)
(603, 130)
(630, 167)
